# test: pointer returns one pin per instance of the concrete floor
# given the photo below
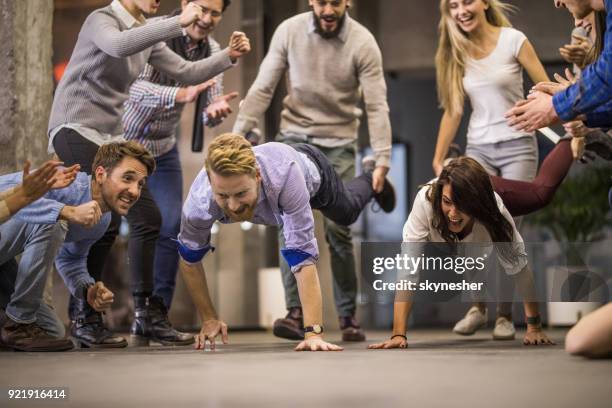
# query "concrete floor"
(256, 369)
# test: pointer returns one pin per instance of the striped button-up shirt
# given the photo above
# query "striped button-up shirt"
(152, 113)
(592, 94)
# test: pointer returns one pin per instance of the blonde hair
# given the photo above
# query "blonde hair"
(230, 155)
(453, 45)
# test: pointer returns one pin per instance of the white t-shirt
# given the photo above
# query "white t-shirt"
(494, 84)
(419, 228)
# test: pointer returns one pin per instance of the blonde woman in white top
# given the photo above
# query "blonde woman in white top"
(482, 57)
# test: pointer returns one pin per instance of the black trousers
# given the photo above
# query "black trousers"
(340, 202)
(143, 218)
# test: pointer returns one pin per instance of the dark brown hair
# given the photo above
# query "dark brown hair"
(473, 195)
(110, 155)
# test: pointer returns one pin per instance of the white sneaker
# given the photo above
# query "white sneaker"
(474, 319)
(504, 329)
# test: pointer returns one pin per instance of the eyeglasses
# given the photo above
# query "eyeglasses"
(213, 13)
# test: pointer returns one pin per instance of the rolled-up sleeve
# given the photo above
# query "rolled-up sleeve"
(197, 220)
(301, 247)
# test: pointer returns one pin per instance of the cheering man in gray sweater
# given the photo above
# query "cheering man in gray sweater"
(332, 63)
(114, 46)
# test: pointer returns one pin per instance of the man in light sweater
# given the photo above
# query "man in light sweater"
(332, 64)
(114, 46)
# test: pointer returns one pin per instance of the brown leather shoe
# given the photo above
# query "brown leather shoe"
(292, 326)
(351, 331)
(30, 337)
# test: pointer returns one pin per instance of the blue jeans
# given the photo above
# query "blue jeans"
(166, 187)
(22, 284)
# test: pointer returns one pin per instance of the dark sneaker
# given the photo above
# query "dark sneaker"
(599, 143)
(292, 326)
(31, 337)
(90, 332)
(351, 331)
(151, 324)
(386, 199)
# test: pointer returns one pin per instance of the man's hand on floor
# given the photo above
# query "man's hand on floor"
(210, 330)
(316, 343)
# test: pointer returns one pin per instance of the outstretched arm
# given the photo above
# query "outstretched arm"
(312, 304)
(195, 279)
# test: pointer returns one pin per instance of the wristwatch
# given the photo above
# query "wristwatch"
(315, 329)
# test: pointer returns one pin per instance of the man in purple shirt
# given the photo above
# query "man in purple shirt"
(271, 184)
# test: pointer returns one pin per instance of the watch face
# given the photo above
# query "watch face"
(317, 329)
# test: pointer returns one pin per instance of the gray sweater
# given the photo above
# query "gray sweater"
(108, 57)
(327, 79)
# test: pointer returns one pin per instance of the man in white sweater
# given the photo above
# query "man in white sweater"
(332, 63)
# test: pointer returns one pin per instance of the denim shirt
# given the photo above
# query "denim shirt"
(71, 261)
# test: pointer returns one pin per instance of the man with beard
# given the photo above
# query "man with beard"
(118, 176)
(332, 64)
(151, 116)
(271, 184)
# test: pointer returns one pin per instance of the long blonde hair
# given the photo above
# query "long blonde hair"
(453, 45)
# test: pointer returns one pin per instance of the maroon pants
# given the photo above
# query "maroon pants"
(524, 197)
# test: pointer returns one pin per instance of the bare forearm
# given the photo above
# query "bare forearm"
(310, 295)
(592, 335)
(446, 134)
(401, 311)
(195, 279)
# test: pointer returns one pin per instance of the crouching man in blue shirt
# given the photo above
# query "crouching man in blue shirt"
(271, 184)
(67, 220)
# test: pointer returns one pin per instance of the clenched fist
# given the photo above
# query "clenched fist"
(87, 214)
(191, 13)
(99, 297)
(239, 45)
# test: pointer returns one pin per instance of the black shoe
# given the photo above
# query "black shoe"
(88, 329)
(386, 199)
(291, 327)
(151, 324)
(599, 143)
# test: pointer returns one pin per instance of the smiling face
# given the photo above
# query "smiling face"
(121, 188)
(236, 194)
(213, 13)
(469, 15)
(329, 16)
(457, 221)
